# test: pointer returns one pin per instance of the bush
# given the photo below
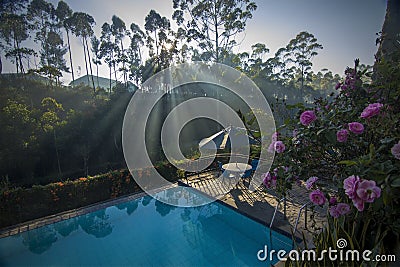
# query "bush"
(347, 149)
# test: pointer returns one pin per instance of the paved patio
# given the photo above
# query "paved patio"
(261, 203)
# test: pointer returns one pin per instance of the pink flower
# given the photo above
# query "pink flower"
(307, 117)
(358, 203)
(275, 137)
(342, 135)
(350, 186)
(356, 127)
(343, 208)
(333, 201)
(337, 86)
(371, 110)
(269, 180)
(334, 212)
(317, 197)
(361, 191)
(271, 147)
(279, 146)
(311, 181)
(368, 191)
(339, 209)
(396, 151)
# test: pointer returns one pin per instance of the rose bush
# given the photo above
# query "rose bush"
(347, 150)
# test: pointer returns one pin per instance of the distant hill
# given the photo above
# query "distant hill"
(100, 82)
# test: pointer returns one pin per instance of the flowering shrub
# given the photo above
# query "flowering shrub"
(347, 149)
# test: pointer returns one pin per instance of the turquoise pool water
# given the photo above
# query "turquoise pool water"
(146, 232)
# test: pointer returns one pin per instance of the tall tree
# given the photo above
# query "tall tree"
(161, 46)
(83, 27)
(135, 52)
(118, 30)
(13, 31)
(213, 24)
(97, 56)
(300, 52)
(107, 48)
(64, 14)
(41, 15)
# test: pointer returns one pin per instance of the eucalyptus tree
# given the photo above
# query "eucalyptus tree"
(118, 30)
(97, 56)
(41, 15)
(82, 26)
(107, 48)
(256, 60)
(53, 52)
(160, 40)
(13, 31)
(64, 15)
(156, 27)
(135, 56)
(213, 24)
(300, 52)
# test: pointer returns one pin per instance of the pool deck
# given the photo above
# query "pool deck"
(261, 205)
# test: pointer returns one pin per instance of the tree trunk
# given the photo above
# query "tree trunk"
(90, 65)
(97, 74)
(84, 53)
(57, 155)
(70, 58)
(110, 80)
(1, 65)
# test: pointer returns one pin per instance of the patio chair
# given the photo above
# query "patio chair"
(254, 164)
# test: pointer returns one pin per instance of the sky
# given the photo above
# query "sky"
(345, 28)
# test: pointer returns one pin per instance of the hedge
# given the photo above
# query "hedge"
(23, 204)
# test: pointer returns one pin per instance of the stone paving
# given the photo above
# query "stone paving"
(261, 204)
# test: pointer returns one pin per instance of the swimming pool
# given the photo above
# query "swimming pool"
(146, 232)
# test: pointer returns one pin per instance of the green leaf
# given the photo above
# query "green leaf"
(347, 162)
(396, 182)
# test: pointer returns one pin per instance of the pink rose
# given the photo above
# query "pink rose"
(343, 208)
(271, 147)
(361, 191)
(350, 186)
(307, 117)
(396, 151)
(371, 110)
(311, 181)
(279, 146)
(368, 191)
(333, 201)
(275, 137)
(342, 135)
(356, 127)
(333, 211)
(269, 180)
(317, 197)
(358, 203)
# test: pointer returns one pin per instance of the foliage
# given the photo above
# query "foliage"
(352, 134)
(213, 24)
(70, 194)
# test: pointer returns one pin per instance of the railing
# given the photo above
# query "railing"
(298, 217)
